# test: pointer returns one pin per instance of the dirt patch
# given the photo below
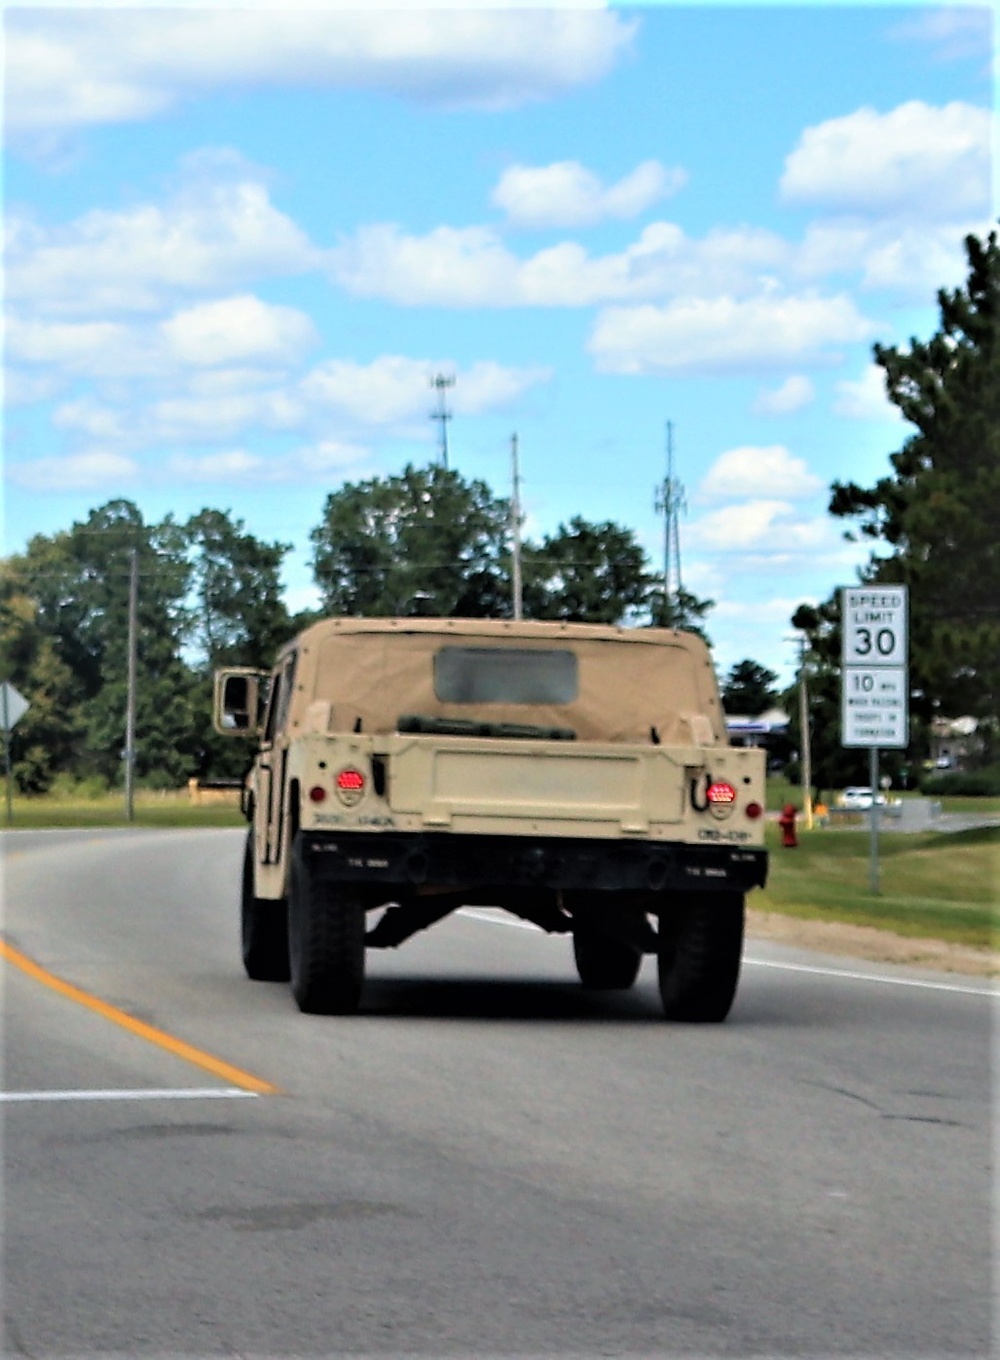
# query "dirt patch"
(866, 942)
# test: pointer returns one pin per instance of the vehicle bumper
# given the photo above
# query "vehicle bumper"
(412, 863)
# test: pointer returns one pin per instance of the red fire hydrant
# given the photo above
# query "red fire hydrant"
(787, 823)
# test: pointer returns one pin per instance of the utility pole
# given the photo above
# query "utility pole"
(669, 502)
(133, 614)
(440, 382)
(805, 737)
(515, 530)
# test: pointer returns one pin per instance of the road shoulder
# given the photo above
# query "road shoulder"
(867, 942)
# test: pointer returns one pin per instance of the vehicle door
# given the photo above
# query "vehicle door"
(272, 765)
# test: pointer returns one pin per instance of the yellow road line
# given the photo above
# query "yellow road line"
(245, 1080)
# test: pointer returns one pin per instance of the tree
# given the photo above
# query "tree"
(679, 609)
(48, 735)
(592, 573)
(79, 582)
(424, 542)
(938, 509)
(749, 689)
(238, 614)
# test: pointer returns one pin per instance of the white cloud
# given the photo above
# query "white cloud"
(89, 348)
(724, 334)
(88, 417)
(396, 391)
(200, 418)
(909, 260)
(794, 393)
(75, 472)
(240, 466)
(449, 267)
(567, 194)
(487, 386)
(769, 538)
(956, 33)
(471, 266)
(209, 238)
(916, 157)
(759, 472)
(71, 68)
(228, 330)
(865, 398)
(238, 329)
(178, 404)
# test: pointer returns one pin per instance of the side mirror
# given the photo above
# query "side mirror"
(236, 705)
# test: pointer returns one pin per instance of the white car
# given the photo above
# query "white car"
(858, 798)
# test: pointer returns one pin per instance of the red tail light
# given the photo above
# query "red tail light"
(720, 793)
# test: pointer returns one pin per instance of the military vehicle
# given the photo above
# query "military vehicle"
(577, 776)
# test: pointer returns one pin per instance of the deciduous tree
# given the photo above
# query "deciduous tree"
(423, 542)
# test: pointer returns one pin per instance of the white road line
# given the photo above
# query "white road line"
(501, 919)
(986, 990)
(184, 1093)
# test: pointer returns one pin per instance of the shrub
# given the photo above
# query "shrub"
(970, 783)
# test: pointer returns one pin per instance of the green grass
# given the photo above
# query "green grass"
(932, 884)
(151, 810)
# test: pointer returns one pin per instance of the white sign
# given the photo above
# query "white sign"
(874, 709)
(875, 684)
(874, 626)
(13, 706)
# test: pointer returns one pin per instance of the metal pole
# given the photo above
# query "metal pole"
(133, 612)
(873, 781)
(442, 414)
(6, 754)
(806, 738)
(515, 530)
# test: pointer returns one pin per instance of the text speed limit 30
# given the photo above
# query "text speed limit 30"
(874, 626)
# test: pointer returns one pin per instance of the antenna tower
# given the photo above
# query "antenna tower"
(670, 503)
(440, 382)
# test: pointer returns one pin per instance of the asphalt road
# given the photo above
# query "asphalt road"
(487, 1161)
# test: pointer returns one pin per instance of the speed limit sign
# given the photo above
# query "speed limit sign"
(874, 686)
(874, 625)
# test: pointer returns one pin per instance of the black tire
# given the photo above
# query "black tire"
(326, 942)
(263, 928)
(603, 962)
(698, 956)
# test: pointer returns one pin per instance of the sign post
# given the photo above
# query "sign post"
(13, 706)
(875, 685)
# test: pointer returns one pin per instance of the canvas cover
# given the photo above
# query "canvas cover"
(365, 674)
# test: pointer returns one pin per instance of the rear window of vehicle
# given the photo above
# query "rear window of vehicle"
(505, 675)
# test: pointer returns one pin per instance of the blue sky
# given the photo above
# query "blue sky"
(240, 245)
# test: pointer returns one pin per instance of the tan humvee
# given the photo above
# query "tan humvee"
(578, 776)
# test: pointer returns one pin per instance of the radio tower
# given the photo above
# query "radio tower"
(669, 502)
(442, 414)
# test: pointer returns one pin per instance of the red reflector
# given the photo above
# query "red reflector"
(351, 781)
(754, 810)
(317, 793)
(721, 792)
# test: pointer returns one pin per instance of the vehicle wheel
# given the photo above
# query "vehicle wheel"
(263, 928)
(603, 962)
(698, 956)
(326, 942)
